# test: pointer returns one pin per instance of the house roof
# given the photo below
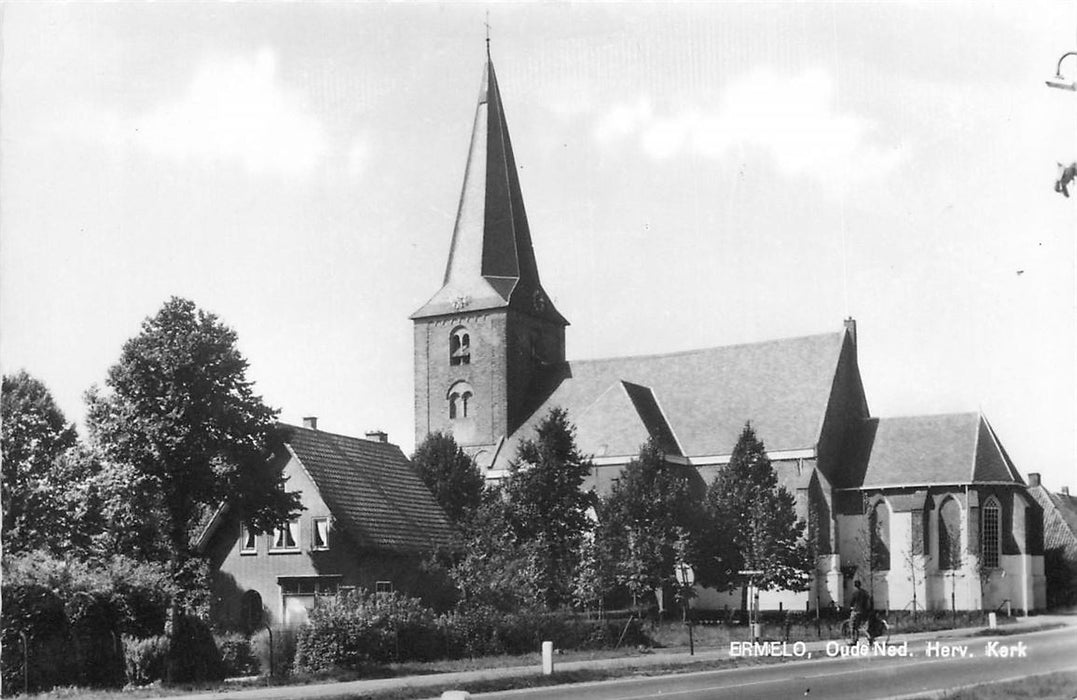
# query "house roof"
(371, 489)
(954, 448)
(697, 402)
(1059, 519)
(491, 258)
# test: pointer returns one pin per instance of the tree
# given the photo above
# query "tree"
(653, 507)
(450, 474)
(547, 508)
(759, 517)
(181, 417)
(43, 471)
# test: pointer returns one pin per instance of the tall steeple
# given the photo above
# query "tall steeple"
(486, 340)
(491, 259)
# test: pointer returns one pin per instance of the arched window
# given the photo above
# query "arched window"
(950, 535)
(990, 519)
(461, 401)
(460, 346)
(880, 537)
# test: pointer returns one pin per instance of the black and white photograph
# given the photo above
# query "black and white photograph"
(599, 350)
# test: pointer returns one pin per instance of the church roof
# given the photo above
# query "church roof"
(371, 489)
(491, 258)
(954, 448)
(696, 403)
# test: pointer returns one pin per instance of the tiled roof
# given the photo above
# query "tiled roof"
(955, 448)
(702, 397)
(1059, 520)
(372, 490)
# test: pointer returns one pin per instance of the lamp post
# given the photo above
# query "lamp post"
(1059, 81)
(686, 577)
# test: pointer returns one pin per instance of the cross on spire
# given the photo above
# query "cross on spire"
(487, 23)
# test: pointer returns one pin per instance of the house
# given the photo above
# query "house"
(938, 494)
(1059, 541)
(368, 521)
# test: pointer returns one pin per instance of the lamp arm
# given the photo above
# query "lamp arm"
(1058, 68)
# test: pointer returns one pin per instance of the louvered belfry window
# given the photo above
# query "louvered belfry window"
(460, 347)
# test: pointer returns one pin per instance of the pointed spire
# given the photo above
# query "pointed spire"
(491, 259)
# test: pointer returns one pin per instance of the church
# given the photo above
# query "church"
(928, 511)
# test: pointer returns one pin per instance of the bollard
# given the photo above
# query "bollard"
(992, 620)
(547, 658)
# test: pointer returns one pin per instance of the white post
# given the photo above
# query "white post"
(547, 658)
(992, 620)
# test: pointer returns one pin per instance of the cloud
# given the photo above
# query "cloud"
(235, 110)
(791, 118)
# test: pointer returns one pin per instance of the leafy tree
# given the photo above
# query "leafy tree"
(182, 420)
(44, 473)
(450, 474)
(759, 518)
(547, 508)
(654, 506)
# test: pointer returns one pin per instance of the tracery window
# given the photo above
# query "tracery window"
(990, 518)
(460, 346)
(950, 535)
(461, 401)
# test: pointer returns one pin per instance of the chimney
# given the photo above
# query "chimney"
(850, 325)
(1065, 490)
(1033, 478)
(310, 422)
(377, 436)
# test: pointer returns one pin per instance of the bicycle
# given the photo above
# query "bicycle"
(876, 629)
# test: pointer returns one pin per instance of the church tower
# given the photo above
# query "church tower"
(482, 342)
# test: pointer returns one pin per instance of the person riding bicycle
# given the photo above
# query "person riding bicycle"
(859, 609)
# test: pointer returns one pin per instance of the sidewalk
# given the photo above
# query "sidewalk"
(672, 657)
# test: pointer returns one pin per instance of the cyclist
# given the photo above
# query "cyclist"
(859, 609)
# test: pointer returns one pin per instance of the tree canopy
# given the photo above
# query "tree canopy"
(182, 422)
(759, 519)
(653, 510)
(450, 474)
(42, 469)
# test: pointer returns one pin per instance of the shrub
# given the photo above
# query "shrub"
(192, 654)
(145, 659)
(34, 614)
(237, 655)
(356, 628)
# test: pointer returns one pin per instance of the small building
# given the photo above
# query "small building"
(368, 521)
(1059, 542)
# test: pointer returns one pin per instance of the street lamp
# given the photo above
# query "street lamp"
(1059, 81)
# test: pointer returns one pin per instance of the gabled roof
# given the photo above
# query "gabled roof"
(954, 448)
(1059, 519)
(699, 400)
(371, 489)
(491, 258)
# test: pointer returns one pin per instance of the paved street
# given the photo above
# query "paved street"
(872, 677)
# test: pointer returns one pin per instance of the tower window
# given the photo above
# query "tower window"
(989, 533)
(460, 347)
(461, 404)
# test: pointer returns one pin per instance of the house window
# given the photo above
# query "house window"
(989, 533)
(286, 537)
(319, 533)
(461, 404)
(248, 541)
(383, 588)
(880, 537)
(460, 347)
(950, 535)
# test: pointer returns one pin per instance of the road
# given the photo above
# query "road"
(853, 678)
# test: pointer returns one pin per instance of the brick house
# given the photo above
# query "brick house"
(490, 361)
(368, 522)
(1059, 541)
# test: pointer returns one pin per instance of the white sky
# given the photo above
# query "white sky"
(695, 175)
